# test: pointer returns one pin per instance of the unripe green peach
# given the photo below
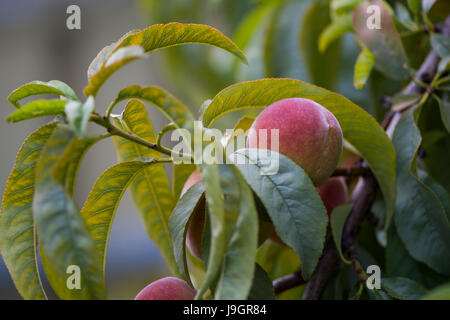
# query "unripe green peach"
(168, 288)
(197, 222)
(309, 135)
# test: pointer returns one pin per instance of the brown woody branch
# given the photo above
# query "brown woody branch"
(364, 194)
(287, 282)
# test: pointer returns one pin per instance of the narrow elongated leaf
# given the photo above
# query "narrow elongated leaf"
(440, 293)
(170, 106)
(150, 190)
(363, 66)
(63, 236)
(340, 25)
(281, 43)
(322, 66)
(39, 87)
(156, 37)
(279, 260)
(262, 288)
(104, 54)
(444, 107)
(381, 38)
(239, 130)
(359, 128)
(420, 217)
(38, 108)
(100, 207)
(223, 201)
(403, 288)
(337, 222)
(78, 114)
(399, 263)
(178, 224)
(17, 232)
(181, 173)
(291, 200)
(238, 267)
(440, 44)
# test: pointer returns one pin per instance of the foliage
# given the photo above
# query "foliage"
(335, 53)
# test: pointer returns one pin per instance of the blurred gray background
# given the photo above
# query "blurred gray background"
(36, 45)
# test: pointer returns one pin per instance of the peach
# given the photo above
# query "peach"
(334, 192)
(194, 233)
(309, 135)
(168, 288)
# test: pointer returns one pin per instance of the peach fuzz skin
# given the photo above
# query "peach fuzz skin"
(169, 288)
(309, 135)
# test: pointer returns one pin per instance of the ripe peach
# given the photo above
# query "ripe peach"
(168, 288)
(309, 134)
(195, 229)
(334, 192)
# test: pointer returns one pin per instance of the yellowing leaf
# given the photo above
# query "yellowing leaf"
(17, 231)
(150, 189)
(363, 66)
(101, 205)
(38, 108)
(39, 87)
(156, 37)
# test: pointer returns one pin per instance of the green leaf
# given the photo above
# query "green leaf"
(402, 14)
(179, 222)
(295, 208)
(78, 115)
(363, 66)
(279, 260)
(359, 128)
(399, 263)
(39, 87)
(337, 221)
(63, 237)
(440, 293)
(440, 44)
(340, 6)
(322, 66)
(181, 172)
(281, 41)
(237, 274)
(420, 217)
(252, 22)
(403, 288)
(150, 190)
(239, 129)
(384, 43)
(444, 64)
(156, 37)
(262, 288)
(340, 25)
(100, 207)
(402, 101)
(223, 201)
(415, 6)
(17, 231)
(170, 106)
(444, 108)
(37, 108)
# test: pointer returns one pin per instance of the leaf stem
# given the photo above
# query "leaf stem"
(113, 130)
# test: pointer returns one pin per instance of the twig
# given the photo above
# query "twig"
(351, 172)
(364, 193)
(287, 282)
